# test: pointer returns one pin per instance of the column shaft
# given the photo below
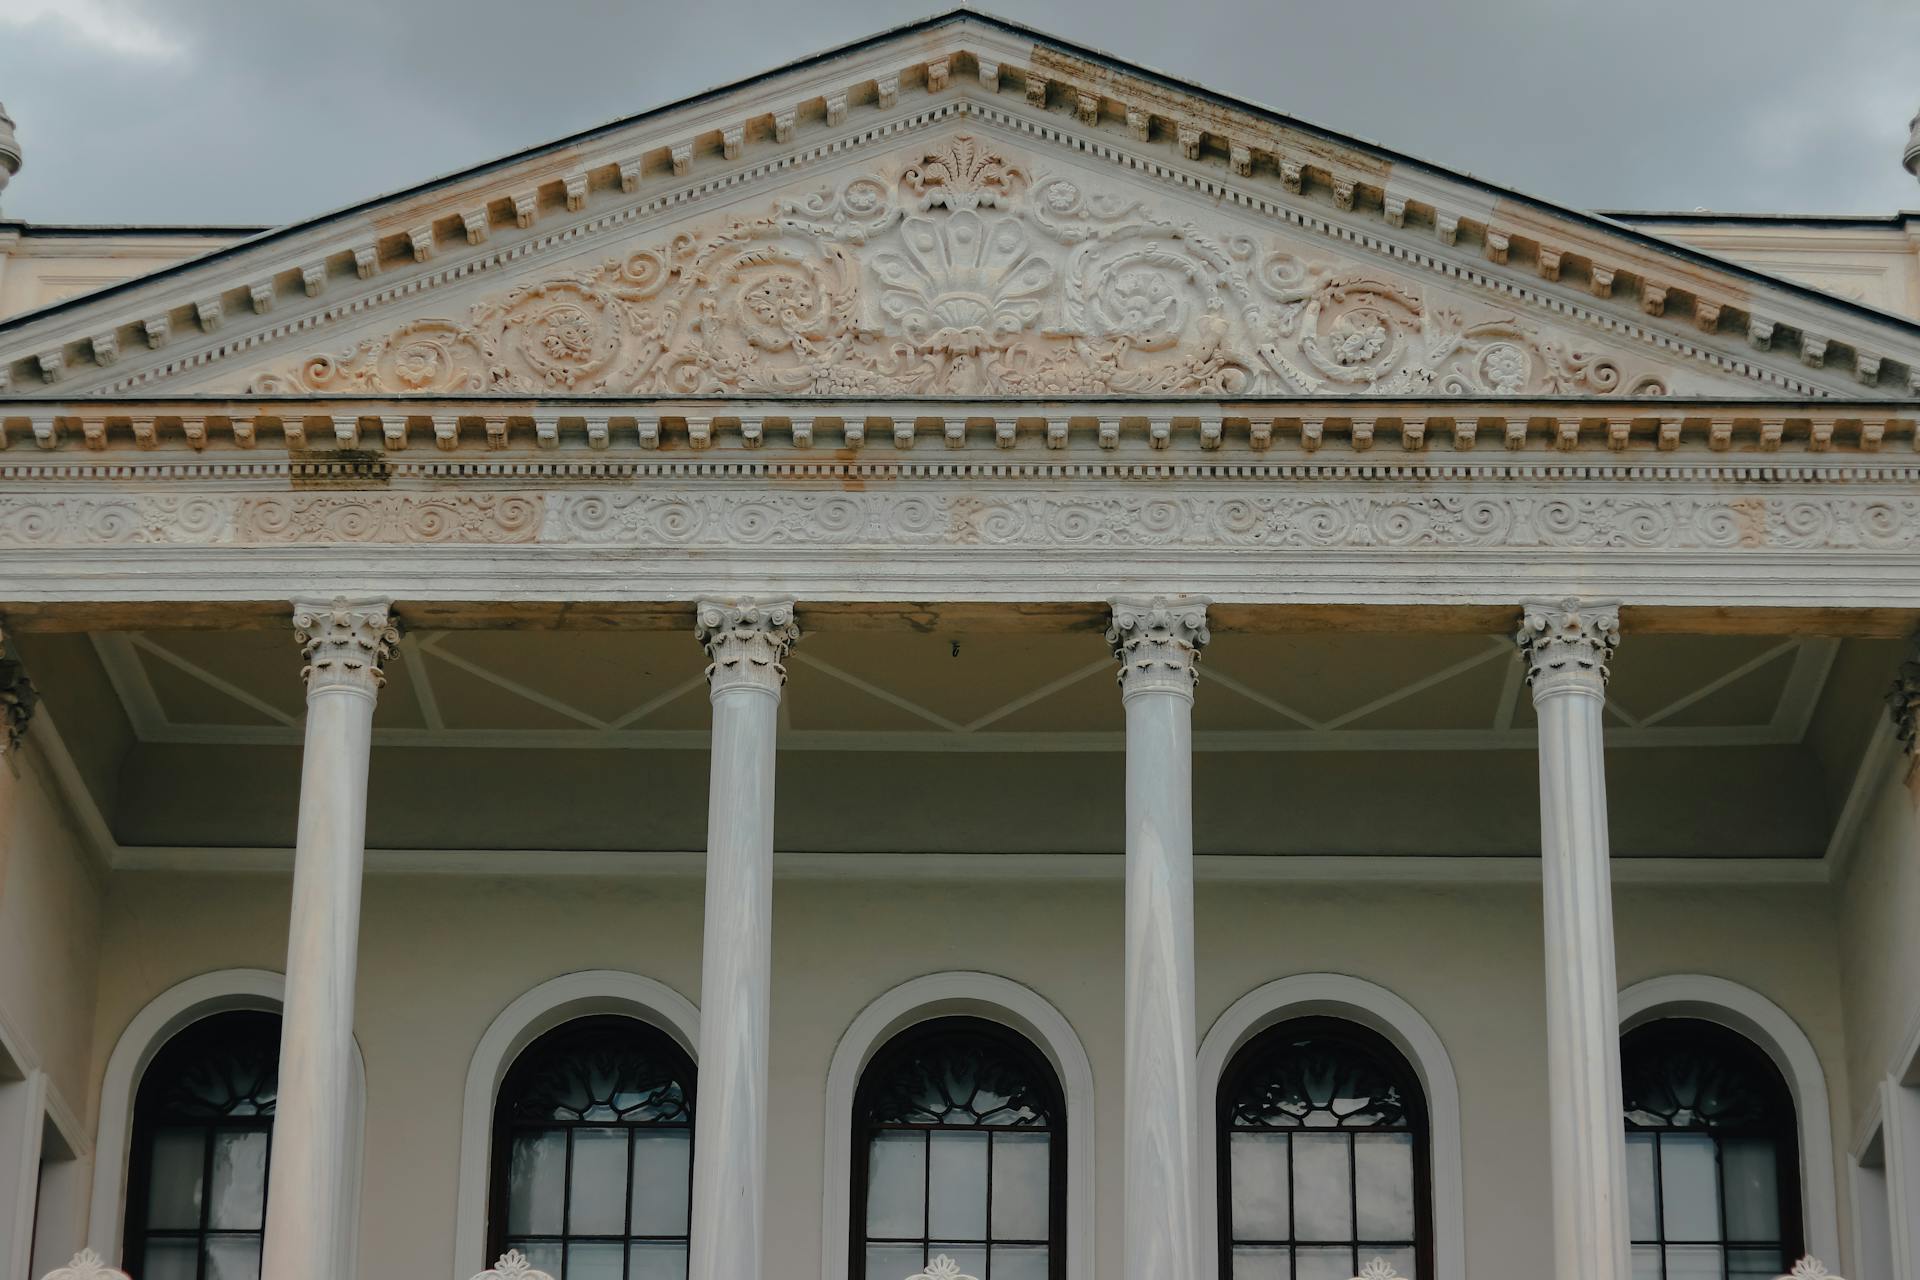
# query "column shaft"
(746, 642)
(309, 1199)
(1158, 646)
(1567, 646)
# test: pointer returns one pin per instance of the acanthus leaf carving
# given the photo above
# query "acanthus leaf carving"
(959, 269)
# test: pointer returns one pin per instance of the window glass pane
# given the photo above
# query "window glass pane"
(1250, 1263)
(896, 1184)
(1323, 1263)
(1020, 1262)
(1755, 1264)
(1258, 1162)
(171, 1260)
(1689, 1190)
(1643, 1222)
(1646, 1262)
(536, 1183)
(655, 1260)
(660, 1179)
(173, 1194)
(598, 1261)
(233, 1258)
(598, 1206)
(239, 1181)
(1750, 1168)
(1020, 1202)
(1322, 1189)
(893, 1262)
(544, 1255)
(1693, 1262)
(1383, 1185)
(957, 1186)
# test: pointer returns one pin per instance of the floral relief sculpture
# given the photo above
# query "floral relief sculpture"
(959, 270)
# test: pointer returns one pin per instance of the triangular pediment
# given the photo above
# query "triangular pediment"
(961, 209)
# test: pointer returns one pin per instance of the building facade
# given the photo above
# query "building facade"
(960, 660)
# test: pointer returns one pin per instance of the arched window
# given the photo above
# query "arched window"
(197, 1171)
(593, 1153)
(1324, 1156)
(1713, 1161)
(960, 1148)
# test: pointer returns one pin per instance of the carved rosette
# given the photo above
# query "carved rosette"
(1567, 645)
(87, 1265)
(18, 698)
(346, 644)
(746, 642)
(1903, 702)
(1158, 644)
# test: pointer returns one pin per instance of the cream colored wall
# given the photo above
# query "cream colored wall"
(1879, 921)
(1877, 263)
(36, 270)
(442, 955)
(51, 897)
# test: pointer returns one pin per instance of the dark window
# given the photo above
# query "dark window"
(1713, 1157)
(202, 1131)
(960, 1148)
(1324, 1162)
(593, 1153)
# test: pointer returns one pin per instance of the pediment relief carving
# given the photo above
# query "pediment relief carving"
(961, 266)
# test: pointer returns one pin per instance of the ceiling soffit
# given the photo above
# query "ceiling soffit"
(1003, 217)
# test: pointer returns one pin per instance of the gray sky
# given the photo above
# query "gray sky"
(265, 111)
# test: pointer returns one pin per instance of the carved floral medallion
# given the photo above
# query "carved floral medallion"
(958, 269)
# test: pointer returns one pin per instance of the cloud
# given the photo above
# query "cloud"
(112, 27)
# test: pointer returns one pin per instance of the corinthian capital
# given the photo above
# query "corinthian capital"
(1158, 644)
(345, 643)
(1903, 702)
(746, 643)
(1567, 644)
(17, 699)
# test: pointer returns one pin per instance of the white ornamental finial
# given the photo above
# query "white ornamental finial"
(87, 1265)
(941, 1268)
(1378, 1269)
(1911, 159)
(1810, 1269)
(513, 1265)
(9, 149)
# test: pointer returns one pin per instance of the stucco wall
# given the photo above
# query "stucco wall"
(50, 907)
(442, 955)
(1880, 953)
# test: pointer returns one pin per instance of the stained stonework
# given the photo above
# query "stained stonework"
(963, 266)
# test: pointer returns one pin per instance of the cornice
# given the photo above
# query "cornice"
(585, 435)
(1636, 286)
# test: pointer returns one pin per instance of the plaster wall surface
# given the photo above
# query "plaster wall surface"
(39, 266)
(442, 955)
(1880, 953)
(51, 899)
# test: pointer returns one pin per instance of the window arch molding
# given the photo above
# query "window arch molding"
(549, 1005)
(961, 994)
(165, 1016)
(1337, 995)
(1767, 1025)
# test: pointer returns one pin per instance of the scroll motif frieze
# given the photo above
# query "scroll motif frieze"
(960, 268)
(1230, 518)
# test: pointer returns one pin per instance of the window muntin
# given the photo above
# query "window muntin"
(1713, 1163)
(202, 1140)
(593, 1153)
(1324, 1156)
(959, 1140)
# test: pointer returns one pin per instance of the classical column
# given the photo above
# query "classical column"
(1567, 646)
(746, 641)
(308, 1200)
(1158, 644)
